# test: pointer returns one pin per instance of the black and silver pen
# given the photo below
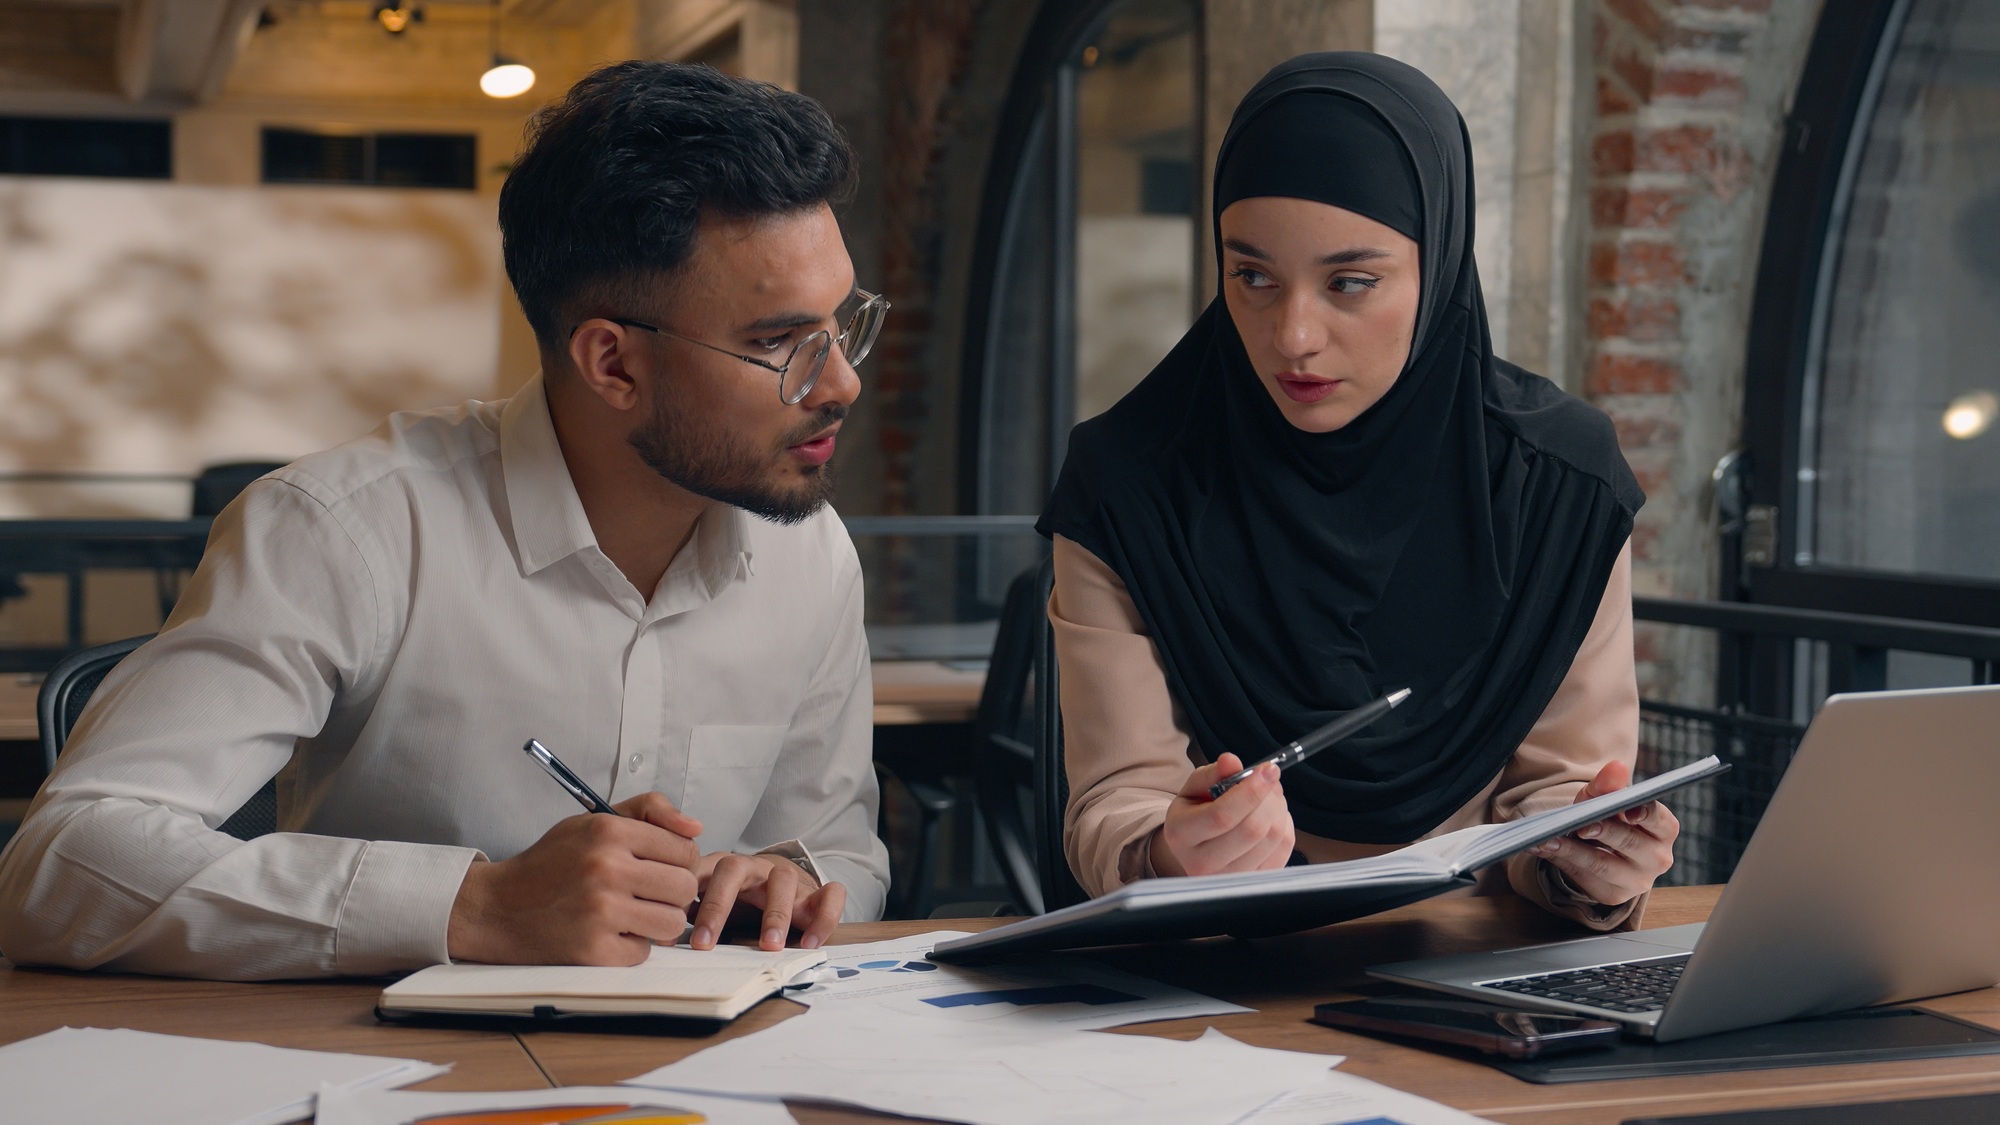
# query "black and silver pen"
(1318, 740)
(565, 777)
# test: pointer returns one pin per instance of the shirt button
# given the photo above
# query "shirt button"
(632, 764)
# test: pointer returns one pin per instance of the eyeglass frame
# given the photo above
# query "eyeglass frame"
(868, 300)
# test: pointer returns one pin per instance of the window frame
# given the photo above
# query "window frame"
(1821, 146)
(1039, 112)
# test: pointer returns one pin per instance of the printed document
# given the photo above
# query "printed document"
(90, 1074)
(988, 1073)
(1344, 1099)
(1055, 991)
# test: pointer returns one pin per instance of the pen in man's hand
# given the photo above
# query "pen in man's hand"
(1318, 740)
(565, 777)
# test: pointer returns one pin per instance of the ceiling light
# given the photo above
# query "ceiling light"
(396, 19)
(505, 78)
(1970, 415)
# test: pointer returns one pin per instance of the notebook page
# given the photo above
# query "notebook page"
(670, 972)
(1502, 840)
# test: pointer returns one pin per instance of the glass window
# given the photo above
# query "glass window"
(1900, 419)
(416, 160)
(1094, 277)
(1135, 198)
(1094, 280)
(70, 146)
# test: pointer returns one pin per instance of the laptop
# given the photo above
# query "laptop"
(1874, 876)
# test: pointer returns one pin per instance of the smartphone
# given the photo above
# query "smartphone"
(1466, 1023)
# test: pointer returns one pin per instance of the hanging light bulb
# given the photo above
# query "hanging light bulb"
(1969, 415)
(397, 18)
(505, 78)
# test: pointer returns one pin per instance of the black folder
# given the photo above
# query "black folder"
(1263, 903)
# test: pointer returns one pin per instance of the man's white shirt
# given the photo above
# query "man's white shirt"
(382, 626)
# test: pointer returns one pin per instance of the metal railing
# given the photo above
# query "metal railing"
(935, 565)
(72, 548)
(1719, 814)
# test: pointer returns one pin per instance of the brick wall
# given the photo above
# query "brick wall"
(929, 47)
(1690, 101)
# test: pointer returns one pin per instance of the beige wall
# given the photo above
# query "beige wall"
(151, 328)
(154, 328)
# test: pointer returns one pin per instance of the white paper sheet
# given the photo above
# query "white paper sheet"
(393, 1107)
(1345, 1099)
(83, 1076)
(1053, 991)
(987, 1073)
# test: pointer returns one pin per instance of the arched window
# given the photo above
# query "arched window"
(1873, 411)
(1084, 271)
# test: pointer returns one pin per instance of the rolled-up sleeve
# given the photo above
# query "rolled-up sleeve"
(119, 863)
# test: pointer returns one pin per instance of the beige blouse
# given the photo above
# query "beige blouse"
(1128, 749)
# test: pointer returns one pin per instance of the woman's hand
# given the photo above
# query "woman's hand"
(1248, 828)
(1615, 860)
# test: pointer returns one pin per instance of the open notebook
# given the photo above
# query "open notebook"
(1261, 903)
(710, 986)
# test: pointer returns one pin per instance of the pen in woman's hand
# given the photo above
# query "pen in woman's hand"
(565, 777)
(1318, 740)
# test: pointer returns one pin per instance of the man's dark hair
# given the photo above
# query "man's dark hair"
(617, 174)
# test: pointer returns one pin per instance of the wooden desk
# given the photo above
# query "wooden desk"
(17, 707)
(925, 691)
(1281, 977)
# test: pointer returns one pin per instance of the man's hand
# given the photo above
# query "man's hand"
(1248, 828)
(594, 890)
(1615, 860)
(785, 894)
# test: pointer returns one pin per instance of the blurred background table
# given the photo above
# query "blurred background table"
(927, 691)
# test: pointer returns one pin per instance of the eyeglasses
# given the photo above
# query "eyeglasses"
(801, 369)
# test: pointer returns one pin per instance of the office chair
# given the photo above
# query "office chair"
(1020, 786)
(214, 487)
(910, 890)
(67, 691)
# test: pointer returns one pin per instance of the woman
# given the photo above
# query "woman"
(1330, 489)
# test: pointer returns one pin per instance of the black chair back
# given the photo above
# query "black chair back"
(218, 484)
(1020, 785)
(67, 691)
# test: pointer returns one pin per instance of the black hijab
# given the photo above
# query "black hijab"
(1454, 539)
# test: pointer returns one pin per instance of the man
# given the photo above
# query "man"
(631, 560)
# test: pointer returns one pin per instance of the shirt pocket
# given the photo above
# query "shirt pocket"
(729, 769)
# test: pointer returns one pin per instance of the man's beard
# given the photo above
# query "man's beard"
(706, 463)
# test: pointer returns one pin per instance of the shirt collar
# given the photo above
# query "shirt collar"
(548, 517)
(549, 524)
(715, 556)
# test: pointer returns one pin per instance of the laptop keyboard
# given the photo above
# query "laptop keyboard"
(1632, 986)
